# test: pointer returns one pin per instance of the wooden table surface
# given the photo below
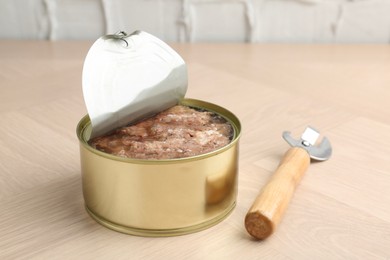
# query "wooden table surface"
(341, 209)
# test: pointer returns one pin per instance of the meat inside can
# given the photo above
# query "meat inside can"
(177, 132)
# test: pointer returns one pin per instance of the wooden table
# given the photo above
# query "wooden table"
(341, 210)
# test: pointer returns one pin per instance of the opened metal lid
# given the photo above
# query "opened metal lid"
(127, 77)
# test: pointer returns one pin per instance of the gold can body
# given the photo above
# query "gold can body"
(160, 197)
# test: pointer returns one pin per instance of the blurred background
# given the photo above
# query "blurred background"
(295, 21)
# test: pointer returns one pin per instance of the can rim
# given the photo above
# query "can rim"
(229, 116)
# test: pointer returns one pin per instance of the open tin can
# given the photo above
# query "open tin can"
(160, 197)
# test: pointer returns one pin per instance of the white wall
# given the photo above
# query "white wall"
(311, 21)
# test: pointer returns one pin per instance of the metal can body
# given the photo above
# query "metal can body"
(160, 197)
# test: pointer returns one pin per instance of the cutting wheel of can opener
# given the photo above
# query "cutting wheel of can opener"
(269, 206)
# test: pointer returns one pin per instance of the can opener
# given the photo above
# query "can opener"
(268, 208)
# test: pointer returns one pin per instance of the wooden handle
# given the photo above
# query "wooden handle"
(269, 206)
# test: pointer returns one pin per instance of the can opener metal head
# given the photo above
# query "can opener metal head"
(270, 205)
(321, 152)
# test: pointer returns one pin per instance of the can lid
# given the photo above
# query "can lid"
(127, 77)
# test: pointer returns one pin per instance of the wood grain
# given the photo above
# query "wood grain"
(340, 209)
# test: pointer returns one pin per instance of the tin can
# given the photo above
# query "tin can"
(160, 197)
